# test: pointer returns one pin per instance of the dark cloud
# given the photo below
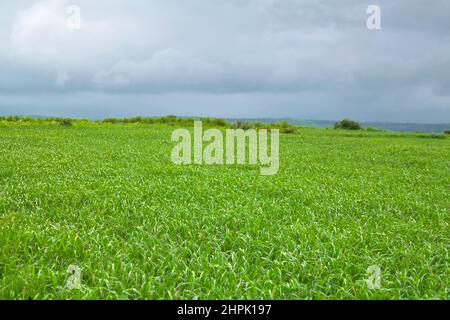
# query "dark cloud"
(237, 57)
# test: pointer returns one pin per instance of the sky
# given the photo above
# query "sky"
(308, 59)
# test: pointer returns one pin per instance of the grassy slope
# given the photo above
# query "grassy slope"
(109, 200)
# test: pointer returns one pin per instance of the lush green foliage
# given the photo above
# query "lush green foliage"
(347, 124)
(108, 199)
(171, 120)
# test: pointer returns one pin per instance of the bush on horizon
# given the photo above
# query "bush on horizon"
(348, 124)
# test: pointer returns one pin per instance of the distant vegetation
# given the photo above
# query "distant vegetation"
(283, 126)
(348, 124)
(390, 126)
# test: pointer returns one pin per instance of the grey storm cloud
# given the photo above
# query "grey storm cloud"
(280, 58)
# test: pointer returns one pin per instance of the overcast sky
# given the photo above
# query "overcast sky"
(307, 59)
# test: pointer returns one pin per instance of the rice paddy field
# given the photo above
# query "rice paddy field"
(108, 199)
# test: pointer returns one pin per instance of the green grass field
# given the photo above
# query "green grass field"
(108, 199)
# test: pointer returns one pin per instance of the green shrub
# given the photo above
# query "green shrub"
(430, 136)
(242, 125)
(285, 127)
(111, 120)
(135, 120)
(370, 129)
(206, 120)
(347, 124)
(171, 119)
(447, 131)
(64, 121)
(13, 118)
(282, 124)
(147, 120)
(219, 122)
(288, 130)
(260, 125)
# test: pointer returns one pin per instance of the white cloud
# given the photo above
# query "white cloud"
(39, 31)
(40, 37)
